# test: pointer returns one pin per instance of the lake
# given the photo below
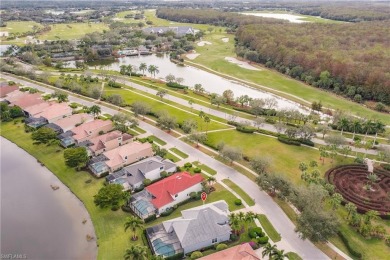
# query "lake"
(210, 82)
(289, 17)
(37, 222)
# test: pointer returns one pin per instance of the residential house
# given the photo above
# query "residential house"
(197, 228)
(164, 194)
(26, 100)
(13, 96)
(55, 112)
(106, 142)
(120, 157)
(6, 89)
(33, 110)
(132, 176)
(85, 132)
(70, 122)
(239, 252)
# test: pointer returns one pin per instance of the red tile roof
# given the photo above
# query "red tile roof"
(240, 252)
(164, 190)
(28, 100)
(4, 90)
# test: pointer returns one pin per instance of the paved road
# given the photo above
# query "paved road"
(264, 204)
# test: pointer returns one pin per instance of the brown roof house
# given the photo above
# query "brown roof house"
(14, 95)
(106, 142)
(120, 157)
(48, 114)
(85, 132)
(70, 122)
(27, 100)
(4, 90)
(239, 252)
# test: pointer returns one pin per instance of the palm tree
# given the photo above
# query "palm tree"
(268, 250)
(95, 110)
(343, 124)
(136, 252)
(143, 67)
(279, 255)
(250, 216)
(336, 200)
(207, 121)
(368, 127)
(201, 115)
(123, 69)
(234, 223)
(379, 128)
(153, 70)
(241, 216)
(134, 223)
(351, 208)
(357, 126)
(211, 180)
(370, 215)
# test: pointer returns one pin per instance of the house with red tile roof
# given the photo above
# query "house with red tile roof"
(4, 90)
(164, 194)
(55, 112)
(107, 142)
(70, 122)
(239, 252)
(14, 95)
(27, 100)
(85, 132)
(33, 110)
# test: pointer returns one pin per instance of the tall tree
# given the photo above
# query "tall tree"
(110, 196)
(134, 223)
(76, 157)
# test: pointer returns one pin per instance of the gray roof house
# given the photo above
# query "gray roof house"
(198, 227)
(178, 30)
(132, 176)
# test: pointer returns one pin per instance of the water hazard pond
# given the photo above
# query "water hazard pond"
(37, 222)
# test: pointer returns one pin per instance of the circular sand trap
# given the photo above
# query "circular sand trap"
(203, 43)
(225, 39)
(241, 64)
(192, 56)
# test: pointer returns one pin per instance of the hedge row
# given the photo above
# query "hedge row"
(289, 141)
(246, 129)
(264, 111)
(352, 248)
(176, 85)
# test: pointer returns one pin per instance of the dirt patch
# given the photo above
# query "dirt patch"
(242, 64)
(192, 56)
(203, 43)
(225, 39)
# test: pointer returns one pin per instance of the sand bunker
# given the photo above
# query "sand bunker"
(192, 56)
(242, 64)
(225, 39)
(203, 43)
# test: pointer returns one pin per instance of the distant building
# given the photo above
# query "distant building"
(197, 228)
(178, 30)
(106, 142)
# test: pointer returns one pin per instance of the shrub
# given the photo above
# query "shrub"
(146, 182)
(233, 237)
(167, 212)
(176, 85)
(306, 142)
(252, 234)
(352, 248)
(196, 255)
(386, 166)
(359, 160)
(221, 247)
(246, 129)
(115, 208)
(187, 165)
(163, 174)
(150, 218)
(233, 123)
(175, 257)
(197, 170)
(254, 245)
(238, 202)
(266, 132)
(270, 121)
(289, 141)
(262, 240)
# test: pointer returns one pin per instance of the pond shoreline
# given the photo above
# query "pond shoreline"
(58, 216)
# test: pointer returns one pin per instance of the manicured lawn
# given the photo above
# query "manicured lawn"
(111, 238)
(239, 191)
(284, 158)
(172, 157)
(180, 114)
(180, 153)
(70, 31)
(293, 256)
(140, 130)
(157, 140)
(213, 57)
(20, 26)
(269, 229)
(205, 168)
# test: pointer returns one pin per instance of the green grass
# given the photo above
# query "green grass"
(205, 168)
(140, 130)
(213, 57)
(239, 191)
(269, 229)
(285, 158)
(157, 140)
(180, 153)
(111, 238)
(171, 157)
(293, 256)
(181, 113)
(20, 26)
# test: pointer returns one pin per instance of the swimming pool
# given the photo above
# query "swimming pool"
(161, 248)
